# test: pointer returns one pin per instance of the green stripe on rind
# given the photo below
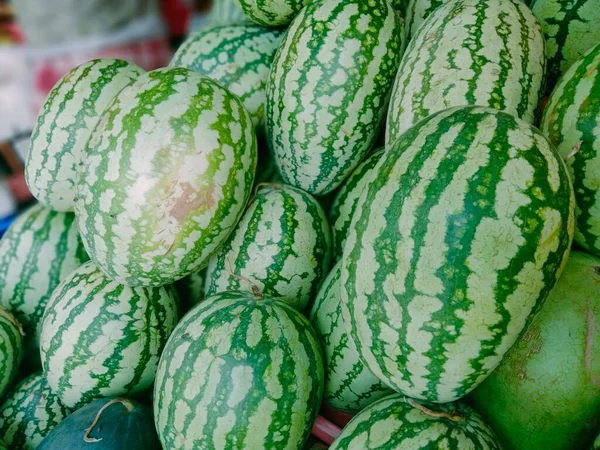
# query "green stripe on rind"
(64, 124)
(349, 385)
(282, 244)
(37, 252)
(340, 214)
(103, 339)
(239, 373)
(572, 120)
(326, 101)
(11, 349)
(29, 413)
(417, 12)
(470, 52)
(571, 28)
(238, 57)
(227, 12)
(272, 13)
(454, 246)
(393, 423)
(168, 172)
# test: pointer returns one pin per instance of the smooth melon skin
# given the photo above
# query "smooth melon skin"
(121, 424)
(545, 394)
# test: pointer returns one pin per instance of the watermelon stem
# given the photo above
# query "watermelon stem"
(432, 413)
(255, 290)
(4, 312)
(126, 403)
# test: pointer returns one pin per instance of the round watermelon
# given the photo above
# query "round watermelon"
(11, 349)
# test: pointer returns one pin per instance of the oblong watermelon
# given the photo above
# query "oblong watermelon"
(238, 57)
(105, 424)
(326, 101)
(11, 349)
(37, 252)
(470, 52)
(167, 174)
(272, 13)
(571, 122)
(101, 339)
(239, 373)
(349, 385)
(64, 124)
(397, 422)
(282, 245)
(29, 412)
(455, 244)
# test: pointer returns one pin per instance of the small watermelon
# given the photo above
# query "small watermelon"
(11, 349)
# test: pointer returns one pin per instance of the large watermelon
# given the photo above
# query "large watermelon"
(238, 57)
(72, 109)
(470, 52)
(571, 121)
(11, 349)
(37, 252)
(272, 13)
(29, 413)
(545, 394)
(349, 385)
(397, 422)
(455, 243)
(105, 424)
(571, 28)
(101, 339)
(167, 174)
(239, 373)
(342, 210)
(326, 101)
(282, 245)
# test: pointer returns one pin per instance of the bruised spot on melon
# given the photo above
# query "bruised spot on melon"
(192, 200)
(533, 338)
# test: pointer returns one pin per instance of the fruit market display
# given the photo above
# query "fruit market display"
(345, 224)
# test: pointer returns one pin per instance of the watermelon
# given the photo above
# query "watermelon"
(105, 424)
(11, 349)
(29, 413)
(470, 52)
(397, 422)
(342, 209)
(167, 174)
(455, 244)
(190, 290)
(64, 124)
(326, 101)
(571, 121)
(226, 12)
(349, 385)
(38, 251)
(238, 57)
(101, 339)
(239, 372)
(570, 27)
(282, 245)
(552, 373)
(416, 13)
(272, 13)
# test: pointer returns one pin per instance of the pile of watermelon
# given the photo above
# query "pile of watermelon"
(335, 208)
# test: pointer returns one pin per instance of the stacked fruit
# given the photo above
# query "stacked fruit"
(242, 239)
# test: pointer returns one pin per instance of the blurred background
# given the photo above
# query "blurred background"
(40, 41)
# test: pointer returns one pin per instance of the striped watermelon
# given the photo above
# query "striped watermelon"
(571, 28)
(349, 385)
(239, 372)
(168, 172)
(397, 422)
(11, 349)
(37, 252)
(238, 57)
(272, 13)
(552, 373)
(29, 413)
(282, 245)
(455, 243)
(65, 123)
(340, 214)
(470, 52)
(225, 12)
(571, 121)
(102, 339)
(327, 100)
